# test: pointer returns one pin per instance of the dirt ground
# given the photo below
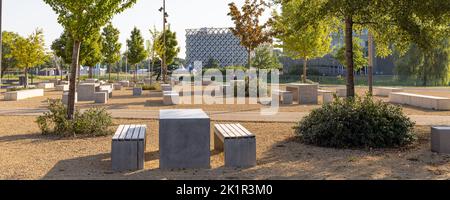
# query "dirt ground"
(124, 100)
(26, 154)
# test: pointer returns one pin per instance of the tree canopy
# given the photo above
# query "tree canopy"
(247, 25)
(110, 46)
(136, 49)
(8, 60)
(265, 58)
(171, 48)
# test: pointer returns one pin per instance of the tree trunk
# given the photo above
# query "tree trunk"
(371, 63)
(73, 78)
(25, 71)
(109, 72)
(304, 77)
(249, 58)
(349, 56)
(91, 72)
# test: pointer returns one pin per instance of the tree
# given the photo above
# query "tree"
(80, 19)
(432, 68)
(8, 60)
(171, 49)
(360, 61)
(212, 64)
(154, 33)
(136, 50)
(265, 58)
(29, 52)
(398, 22)
(90, 50)
(247, 27)
(313, 41)
(111, 46)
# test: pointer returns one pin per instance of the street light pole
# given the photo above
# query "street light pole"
(163, 62)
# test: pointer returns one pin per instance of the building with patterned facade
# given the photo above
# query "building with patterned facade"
(219, 44)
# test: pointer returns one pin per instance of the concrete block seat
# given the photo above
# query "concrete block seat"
(238, 144)
(341, 92)
(385, 91)
(86, 91)
(62, 87)
(125, 83)
(304, 93)
(184, 139)
(101, 97)
(46, 85)
(106, 88)
(65, 98)
(23, 94)
(327, 96)
(137, 91)
(117, 86)
(166, 87)
(440, 139)
(171, 98)
(421, 101)
(128, 147)
(286, 97)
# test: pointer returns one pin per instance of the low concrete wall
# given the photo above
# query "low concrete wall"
(46, 85)
(422, 101)
(23, 94)
(385, 91)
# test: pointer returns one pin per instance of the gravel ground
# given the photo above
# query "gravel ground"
(26, 154)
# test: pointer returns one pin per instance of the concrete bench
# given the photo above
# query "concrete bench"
(238, 144)
(117, 86)
(128, 147)
(341, 92)
(326, 95)
(65, 98)
(62, 87)
(286, 97)
(440, 139)
(91, 80)
(46, 85)
(166, 87)
(304, 93)
(23, 94)
(106, 88)
(385, 91)
(101, 97)
(171, 98)
(86, 91)
(137, 91)
(422, 101)
(124, 83)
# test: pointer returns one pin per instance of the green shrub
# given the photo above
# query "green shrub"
(356, 123)
(93, 122)
(153, 87)
(248, 90)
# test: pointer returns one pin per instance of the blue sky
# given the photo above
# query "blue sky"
(24, 16)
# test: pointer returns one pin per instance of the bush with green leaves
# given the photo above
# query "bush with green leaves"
(152, 87)
(357, 123)
(93, 122)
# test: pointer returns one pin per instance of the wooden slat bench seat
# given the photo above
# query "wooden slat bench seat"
(422, 101)
(238, 144)
(128, 147)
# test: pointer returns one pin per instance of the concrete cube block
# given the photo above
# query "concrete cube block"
(341, 92)
(65, 98)
(166, 87)
(171, 98)
(184, 139)
(440, 139)
(101, 97)
(86, 91)
(62, 87)
(118, 86)
(385, 91)
(304, 93)
(46, 85)
(23, 94)
(125, 83)
(137, 91)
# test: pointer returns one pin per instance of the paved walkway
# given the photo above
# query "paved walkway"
(247, 116)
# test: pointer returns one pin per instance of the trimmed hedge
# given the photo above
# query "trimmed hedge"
(356, 123)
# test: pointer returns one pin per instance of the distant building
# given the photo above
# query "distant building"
(218, 44)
